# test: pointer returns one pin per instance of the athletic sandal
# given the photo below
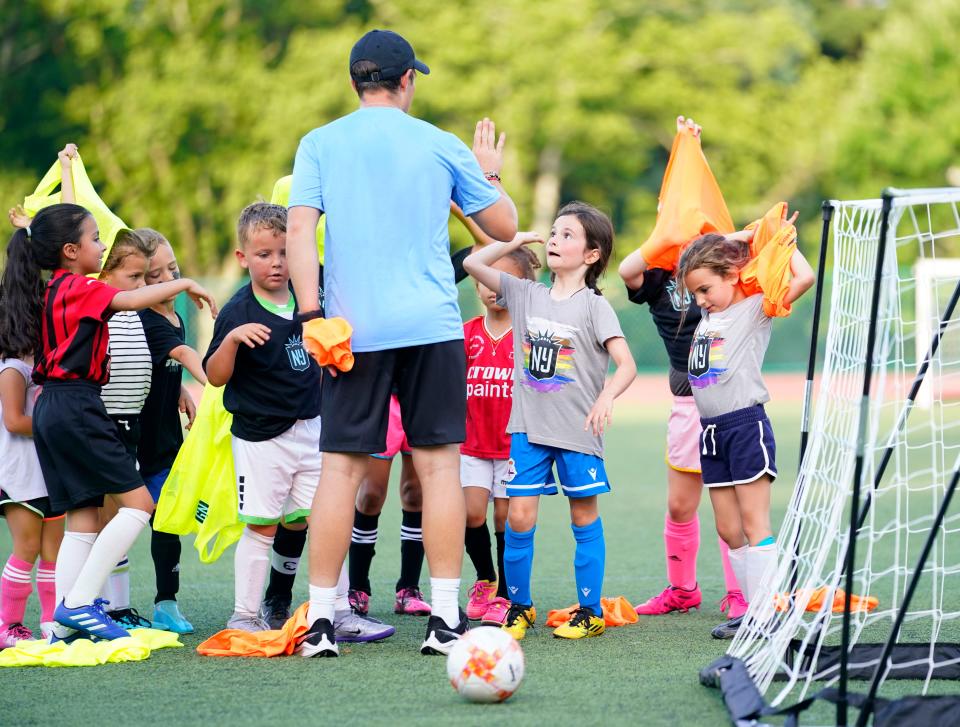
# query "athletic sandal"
(671, 599)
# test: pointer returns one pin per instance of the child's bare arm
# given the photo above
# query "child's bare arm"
(191, 361)
(480, 238)
(601, 414)
(220, 364)
(632, 269)
(480, 263)
(155, 294)
(66, 157)
(13, 399)
(802, 279)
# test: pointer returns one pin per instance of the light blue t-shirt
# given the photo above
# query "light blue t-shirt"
(384, 181)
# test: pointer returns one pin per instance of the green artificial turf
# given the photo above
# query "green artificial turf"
(641, 674)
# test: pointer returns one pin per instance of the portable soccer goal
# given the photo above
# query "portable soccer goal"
(867, 583)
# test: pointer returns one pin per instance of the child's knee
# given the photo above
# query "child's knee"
(411, 495)
(370, 499)
(267, 531)
(522, 520)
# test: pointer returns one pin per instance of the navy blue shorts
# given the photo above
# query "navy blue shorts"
(737, 448)
(530, 470)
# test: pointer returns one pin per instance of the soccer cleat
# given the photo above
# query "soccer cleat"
(584, 624)
(59, 633)
(519, 618)
(167, 617)
(440, 637)
(496, 614)
(10, 634)
(248, 623)
(47, 630)
(129, 618)
(275, 611)
(319, 640)
(410, 602)
(733, 604)
(671, 599)
(480, 596)
(359, 601)
(353, 627)
(728, 629)
(92, 620)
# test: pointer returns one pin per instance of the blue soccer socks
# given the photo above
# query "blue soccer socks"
(518, 563)
(588, 564)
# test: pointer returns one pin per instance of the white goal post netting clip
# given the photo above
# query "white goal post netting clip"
(866, 586)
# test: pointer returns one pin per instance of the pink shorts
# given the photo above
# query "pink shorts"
(396, 437)
(683, 435)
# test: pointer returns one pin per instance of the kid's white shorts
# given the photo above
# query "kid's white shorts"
(276, 479)
(486, 473)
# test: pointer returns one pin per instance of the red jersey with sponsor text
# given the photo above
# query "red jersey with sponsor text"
(74, 331)
(489, 391)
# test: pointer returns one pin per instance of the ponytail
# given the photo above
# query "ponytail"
(30, 251)
(21, 299)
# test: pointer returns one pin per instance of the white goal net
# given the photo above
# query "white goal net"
(790, 641)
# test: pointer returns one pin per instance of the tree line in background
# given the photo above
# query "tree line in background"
(187, 110)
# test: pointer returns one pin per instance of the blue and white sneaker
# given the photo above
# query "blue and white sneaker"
(56, 633)
(167, 617)
(91, 620)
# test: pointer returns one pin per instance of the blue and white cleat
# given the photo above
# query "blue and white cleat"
(91, 619)
(167, 617)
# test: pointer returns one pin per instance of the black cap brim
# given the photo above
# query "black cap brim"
(421, 67)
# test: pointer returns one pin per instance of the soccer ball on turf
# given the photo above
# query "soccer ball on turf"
(485, 665)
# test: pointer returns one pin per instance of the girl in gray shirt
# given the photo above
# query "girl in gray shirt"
(738, 452)
(564, 337)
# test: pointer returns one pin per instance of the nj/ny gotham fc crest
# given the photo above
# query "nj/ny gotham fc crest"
(679, 302)
(547, 360)
(297, 354)
(544, 353)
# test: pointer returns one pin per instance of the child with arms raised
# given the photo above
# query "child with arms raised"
(737, 452)
(81, 456)
(485, 454)
(564, 337)
(161, 432)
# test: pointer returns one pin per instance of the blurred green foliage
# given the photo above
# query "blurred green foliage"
(186, 111)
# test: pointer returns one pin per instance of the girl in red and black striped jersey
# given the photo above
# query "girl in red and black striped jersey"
(80, 452)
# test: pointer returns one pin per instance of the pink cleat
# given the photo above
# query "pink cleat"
(733, 604)
(480, 596)
(359, 601)
(672, 599)
(410, 602)
(496, 614)
(10, 634)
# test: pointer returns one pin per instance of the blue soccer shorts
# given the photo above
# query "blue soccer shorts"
(530, 470)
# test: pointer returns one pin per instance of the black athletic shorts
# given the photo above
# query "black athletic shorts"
(430, 382)
(128, 429)
(81, 454)
(39, 505)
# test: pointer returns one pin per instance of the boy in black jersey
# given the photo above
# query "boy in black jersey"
(273, 391)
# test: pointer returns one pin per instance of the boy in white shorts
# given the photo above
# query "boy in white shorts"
(273, 391)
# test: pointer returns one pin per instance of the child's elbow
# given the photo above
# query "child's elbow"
(470, 264)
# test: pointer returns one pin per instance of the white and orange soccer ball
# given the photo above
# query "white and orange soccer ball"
(486, 665)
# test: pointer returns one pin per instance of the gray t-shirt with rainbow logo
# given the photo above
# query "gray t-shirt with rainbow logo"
(726, 357)
(560, 362)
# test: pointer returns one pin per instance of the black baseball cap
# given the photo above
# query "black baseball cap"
(392, 55)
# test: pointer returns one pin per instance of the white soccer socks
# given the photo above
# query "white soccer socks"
(445, 600)
(113, 541)
(251, 562)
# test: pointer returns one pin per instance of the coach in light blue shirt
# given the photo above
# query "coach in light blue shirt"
(384, 181)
